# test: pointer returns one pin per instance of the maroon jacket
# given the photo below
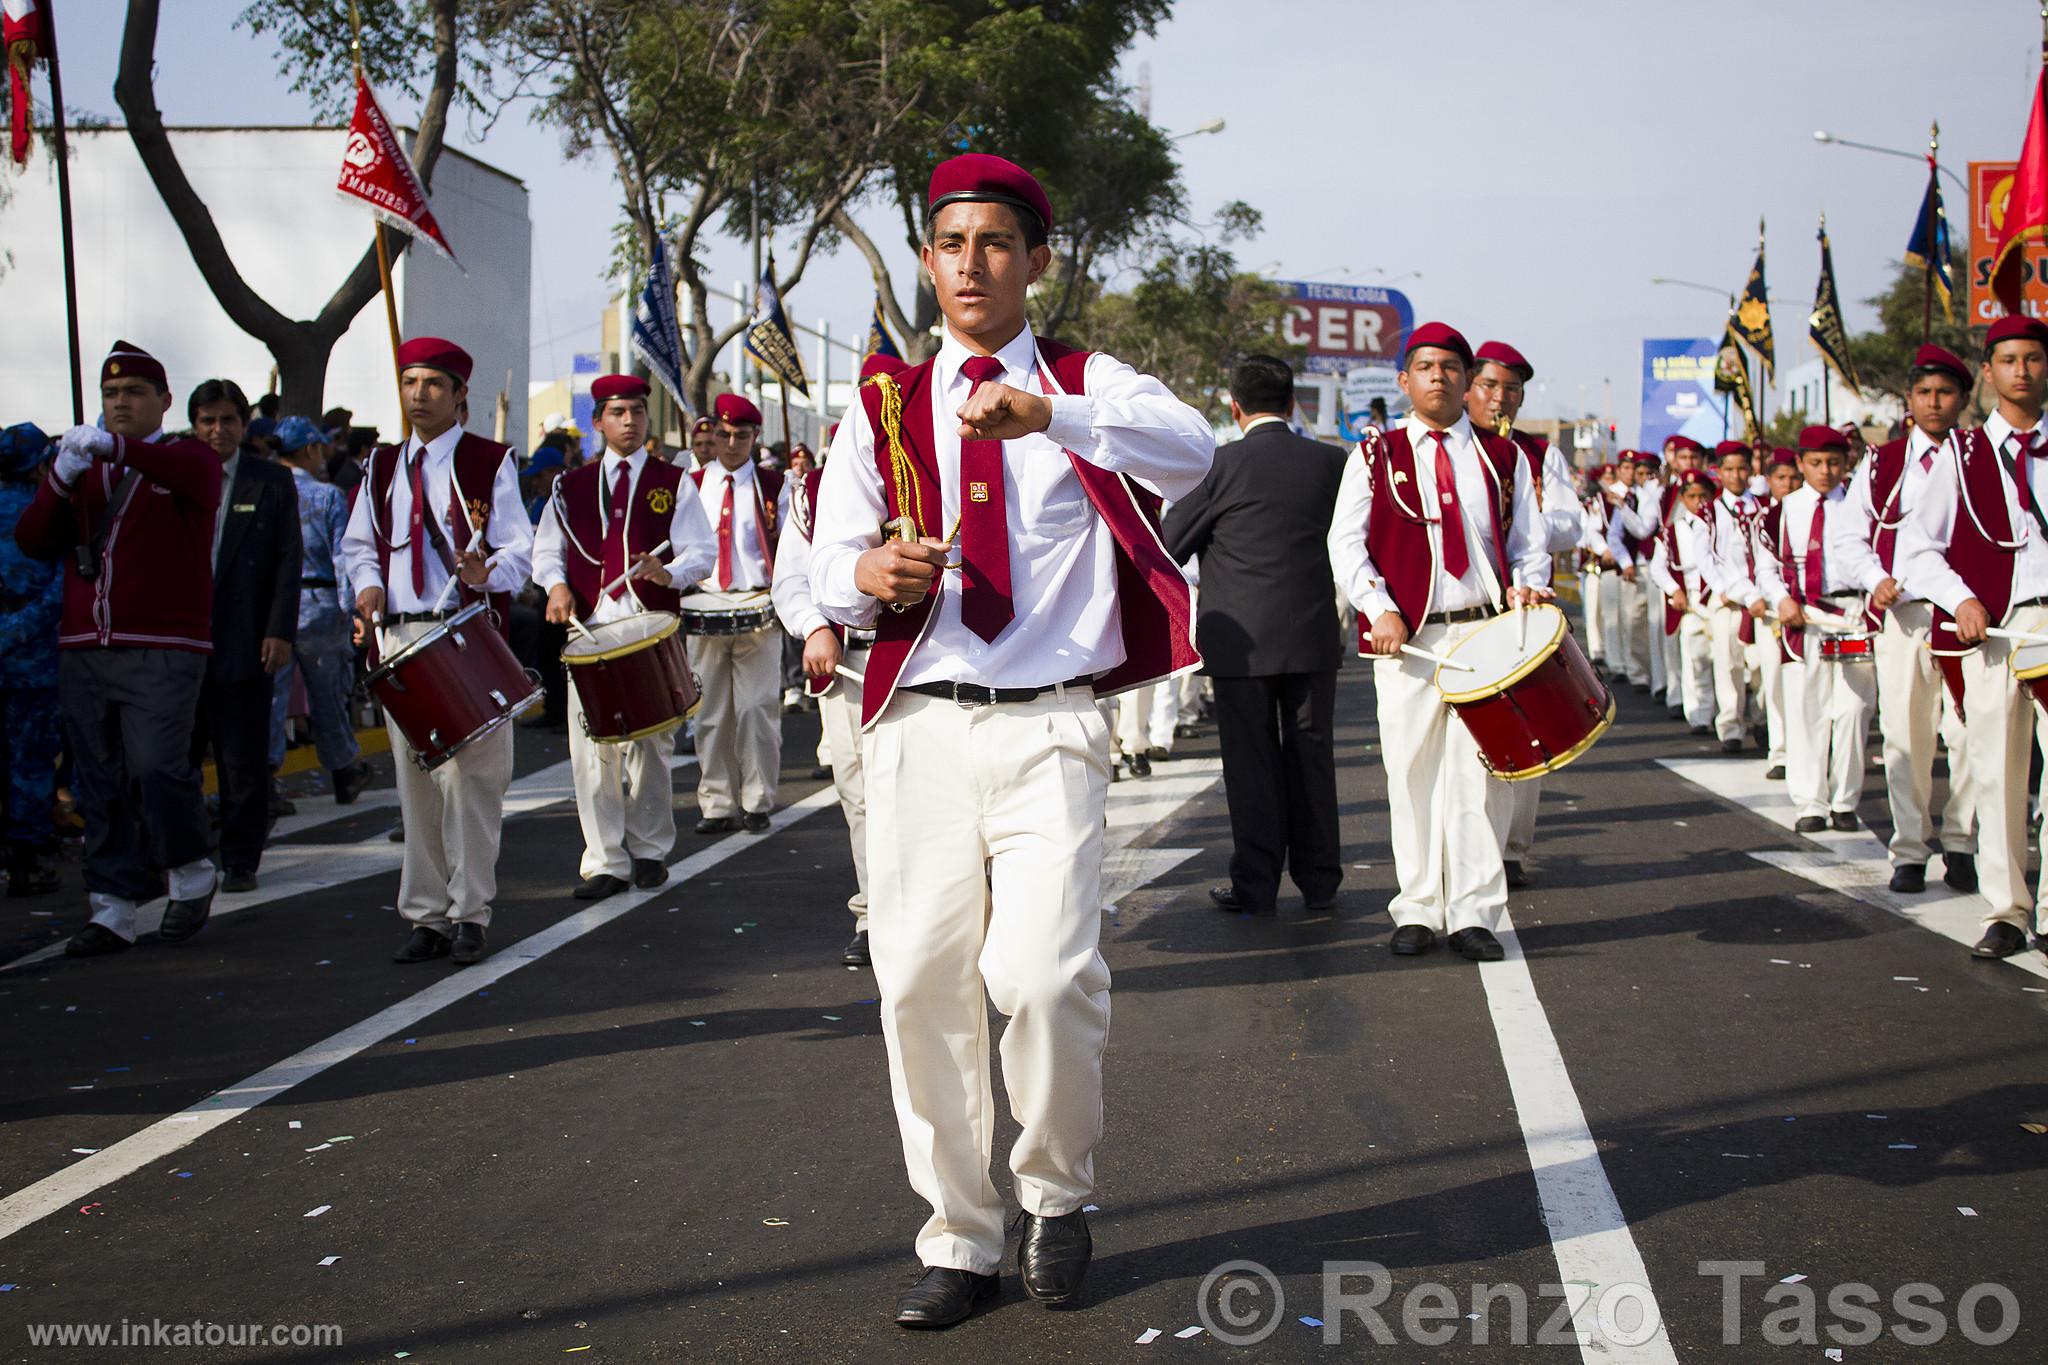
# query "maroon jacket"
(155, 585)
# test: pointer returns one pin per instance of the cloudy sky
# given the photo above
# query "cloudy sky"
(1536, 163)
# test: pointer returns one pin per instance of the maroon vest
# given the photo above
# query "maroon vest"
(1887, 481)
(1532, 450)
(580, 500)
(1672, 616)
(1155, 604)
(476, 467)
(1397, 533)
(1983, 550)
(767, 494)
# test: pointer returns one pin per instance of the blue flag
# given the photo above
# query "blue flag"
(879, 340)
(656, 338)
(769, 338)
(1929, 249)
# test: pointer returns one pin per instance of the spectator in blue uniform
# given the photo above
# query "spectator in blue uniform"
(31, 601)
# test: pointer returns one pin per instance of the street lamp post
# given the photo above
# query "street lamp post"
(1823, 136)
(1214, 125)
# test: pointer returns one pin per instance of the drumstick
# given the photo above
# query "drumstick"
(454, 578)
(1521, 626)
(843, 671)
(2001, 633)
(621, 579)
(1444, 660)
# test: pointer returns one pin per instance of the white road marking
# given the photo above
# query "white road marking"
(1588, 1233)
(1853, 863)
(65, 1188)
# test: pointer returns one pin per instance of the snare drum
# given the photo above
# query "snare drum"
(1533, 706)
(715, 612)
(2029, 664)
(1839, 648)
(452, 686)
(632, 677)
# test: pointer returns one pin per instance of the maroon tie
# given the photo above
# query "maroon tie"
(1457, 559)
(1815, 585)
(416, 521)
(985, 605)
(725, 536)
(2023, 471)
(615, 528)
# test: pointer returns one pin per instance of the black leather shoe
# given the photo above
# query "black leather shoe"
(1909, 879)
(1517, 877)
(1141, 766)
(424, 946)
(754, 822)
(1226, 899)
(1845, 821)
(1477, 944)
(1326, 906)
(1413, 940)
(469, 944)
(182, 919)
(95, 940)
(1960, 872)
(598, 887)
(349, 782)
(1052, 1256)
(855, 954)
(717, 824)
(1775, 773)
(238, 881)
(1731, 746)
(943, 1296)
(1810, 824)
(649, 873)
(2000, 940)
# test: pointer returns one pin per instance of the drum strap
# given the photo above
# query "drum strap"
(2026, 489)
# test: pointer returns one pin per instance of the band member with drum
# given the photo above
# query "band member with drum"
(1977, 547)
(1730, 627)
(1493, 401)
(132, 516)
(444, 503)
(979, 512)
(1631, 539)
(739, 723)
(1436, 529)
(1914, 704)
(606, 521)
(1828, 699)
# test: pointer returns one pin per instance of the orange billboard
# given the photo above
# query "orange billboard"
(1990, 187)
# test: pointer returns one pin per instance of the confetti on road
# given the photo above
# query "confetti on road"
(833, 1017)
(1967, 1213)
(1833, 1353)
(1186, 1332)
(410, 1041)
(1311, 1322)
(321, 1148)
(292, 1123)
(1903, 1147)
(1091, 1208)
(329, 1260)
(1792, 1279)
(315, 1213)
(1905, 978)
(2036, 1128)
(1877, 1116)
(1781, 962)
(1148, 1336)
(85, 1151)
(774, 1222)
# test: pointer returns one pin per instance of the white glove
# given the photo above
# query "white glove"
(77, 449)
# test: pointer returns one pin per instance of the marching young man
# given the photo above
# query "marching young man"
(1730, 627)
(1631, 538)
(1686, 571)
(408, 533)
(1913, 701)
(604, 520)
(1021, 582)
(1827, 702)
(1977, 547)
(1436, 529)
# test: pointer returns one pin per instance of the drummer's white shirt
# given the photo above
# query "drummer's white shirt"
(749, 564)
(1797, 515)
(1851, 537)
(1922, 556)
(692, 544)
(510, 533)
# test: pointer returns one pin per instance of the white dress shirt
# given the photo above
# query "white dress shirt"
(510, 533)
(693, 548)
(1735, 521)
(1560, 502)
(749, 559)
(1641, 515)
(1527, 534)
(1852, 538)
(1922, 554)
(1062, 555)
(1700, 568)
(1772, 577)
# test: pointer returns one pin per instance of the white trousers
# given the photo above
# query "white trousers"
(739, 721)
(1767, 662)
(1145, 717)
(453, 819)
(625, 798)
(1665, 661)
(1827, 717)
(1447, 812)
(839, 720)
(1519, 800)
(1592, 603)
(1610, 619)
(1729, 662)
(1632, 632)
(1695, 668)
(985, 883)
(1913, 707)
(2000, 719)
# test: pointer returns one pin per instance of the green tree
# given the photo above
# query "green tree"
(1883, 357)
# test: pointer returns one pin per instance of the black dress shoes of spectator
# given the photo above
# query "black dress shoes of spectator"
(423, 946)
(238, 881)
(856, 951)
(1477, 944)
(349, 782)
(1413, 940)
(943, 1296)
(95, 940)
(182, 919)
(649, 873)
(1053, 1255)
(1226, 899)
(598, 887)
(2000, 940)
(468, 946)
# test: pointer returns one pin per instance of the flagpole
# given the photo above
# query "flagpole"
(64, 217)
(355, 48)
(1827, 384)
(1927, 223)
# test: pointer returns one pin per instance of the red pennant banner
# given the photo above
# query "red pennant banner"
(25, 38)
(2026, 209)
(376, 171)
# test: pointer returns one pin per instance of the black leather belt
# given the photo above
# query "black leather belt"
(1841, 597)
(974, 694)
(1458, 618)
(316, 583)
(412, 618)
(2031, 602)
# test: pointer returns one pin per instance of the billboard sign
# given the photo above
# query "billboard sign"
(1990, 187)
(1361, 386)
(1345, 326)
(1678, 392)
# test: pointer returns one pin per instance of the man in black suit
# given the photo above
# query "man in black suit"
(257, 556)
(1267, 627)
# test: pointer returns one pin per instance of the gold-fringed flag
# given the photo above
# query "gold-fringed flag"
(2026, 208)
(879, 341)
(1752, 319)
(1731, 375)
(769, 338)
(1830, 336)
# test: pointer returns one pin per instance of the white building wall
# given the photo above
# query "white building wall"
(271, 193)
(1800, 389)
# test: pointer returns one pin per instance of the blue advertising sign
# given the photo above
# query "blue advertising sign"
(1678, 392)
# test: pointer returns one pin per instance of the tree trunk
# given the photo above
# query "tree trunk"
(301, 373)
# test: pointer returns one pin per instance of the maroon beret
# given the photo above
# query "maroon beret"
(1933, 357)
(702, 424)
(435, 353)
(2013, 327)
(1822, 438)
(606, 387)
(129, 361)
(979, 178)
(1684, 443)
(1441, 335)
(1697, 478)
(879, 363)
(1648, 459)
(734, 410)
(1723, 449)
(1500, 353)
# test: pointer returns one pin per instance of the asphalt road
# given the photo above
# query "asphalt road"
(660, 1131)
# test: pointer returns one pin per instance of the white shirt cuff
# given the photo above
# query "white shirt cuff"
(1073, 421)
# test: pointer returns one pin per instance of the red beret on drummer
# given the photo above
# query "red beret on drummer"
(1506, 356)
(129, 361)
(978, 178)
(735, 411)
(606, 387)
(435, 353)
(1822, 438)
(1440, 335)
(2013, 327)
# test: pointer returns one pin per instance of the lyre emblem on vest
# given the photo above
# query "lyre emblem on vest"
(479, 513)
(1400, 476)
(977, 492)
(660, 500)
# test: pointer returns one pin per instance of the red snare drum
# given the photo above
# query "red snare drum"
(1839, 648)
(1533, 706)
(2029, 664)
(453, 685)
(632, 677)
